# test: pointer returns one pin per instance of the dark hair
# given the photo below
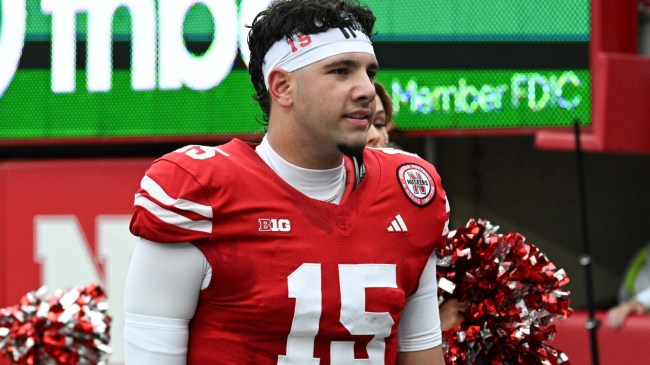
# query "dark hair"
(285, 18)
(386, 100)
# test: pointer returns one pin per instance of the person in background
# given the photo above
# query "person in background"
(381, 119)
(451, 311)
(634, 294)
(617, 315)
(283, 252)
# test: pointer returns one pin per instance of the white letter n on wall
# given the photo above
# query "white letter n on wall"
(63, 252)
(67, 261)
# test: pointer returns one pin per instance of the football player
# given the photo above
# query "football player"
(307, 248)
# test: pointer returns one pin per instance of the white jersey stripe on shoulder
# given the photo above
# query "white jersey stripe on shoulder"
(157, 192)
(172, 218)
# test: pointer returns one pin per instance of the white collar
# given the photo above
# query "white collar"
(316, 184)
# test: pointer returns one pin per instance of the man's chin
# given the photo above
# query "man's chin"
(351, 149)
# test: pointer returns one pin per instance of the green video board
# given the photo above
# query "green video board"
(125, 112)
(93, 70)
(479, 99)
(491, 20)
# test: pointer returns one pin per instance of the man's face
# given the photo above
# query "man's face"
(332, 100)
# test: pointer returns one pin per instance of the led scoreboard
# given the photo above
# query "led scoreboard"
(100, 70)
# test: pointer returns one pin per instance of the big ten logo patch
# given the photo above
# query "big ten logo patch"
(274, 225)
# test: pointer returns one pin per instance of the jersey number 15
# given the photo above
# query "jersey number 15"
(305, 286)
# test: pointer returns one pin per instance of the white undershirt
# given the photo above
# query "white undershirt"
(164, 282)
(316, 184)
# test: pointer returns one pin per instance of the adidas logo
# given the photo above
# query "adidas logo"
(397, 225)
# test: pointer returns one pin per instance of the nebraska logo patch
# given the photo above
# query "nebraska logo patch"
(417, 184)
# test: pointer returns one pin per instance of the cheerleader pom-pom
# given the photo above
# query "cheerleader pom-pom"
(514, 293)
(69, 327)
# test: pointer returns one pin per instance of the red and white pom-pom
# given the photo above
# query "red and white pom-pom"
(69, 327)
(514, 293)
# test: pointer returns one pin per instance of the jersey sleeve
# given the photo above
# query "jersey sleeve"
(171, 205)
(419, 328)
(160, 298)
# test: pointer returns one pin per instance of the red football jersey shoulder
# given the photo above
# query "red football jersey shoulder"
(179, 191)
(418, 179)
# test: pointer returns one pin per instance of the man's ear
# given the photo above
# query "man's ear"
(280, 87)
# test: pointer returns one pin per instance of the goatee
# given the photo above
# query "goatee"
(351, 150)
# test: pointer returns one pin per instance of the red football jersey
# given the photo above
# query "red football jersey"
(295, 280)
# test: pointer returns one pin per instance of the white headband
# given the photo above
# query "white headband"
(302, 50)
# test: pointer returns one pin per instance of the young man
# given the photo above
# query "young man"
(306, 248)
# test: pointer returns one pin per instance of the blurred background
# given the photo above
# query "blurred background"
(489, 91)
